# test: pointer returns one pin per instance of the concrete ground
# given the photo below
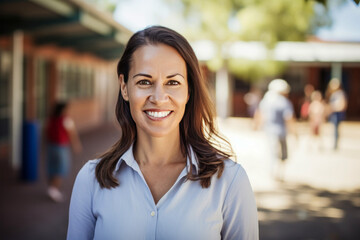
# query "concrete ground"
(319, 197)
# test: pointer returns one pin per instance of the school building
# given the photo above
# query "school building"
(55, 50)
(313, 62)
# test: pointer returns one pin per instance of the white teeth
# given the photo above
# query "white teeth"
(158, 114)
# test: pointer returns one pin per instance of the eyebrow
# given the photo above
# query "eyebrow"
(149, 76)
(142, 74)
(173, 75)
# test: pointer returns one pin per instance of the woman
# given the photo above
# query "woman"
(166, 178)
(337, 106)
(61, 134)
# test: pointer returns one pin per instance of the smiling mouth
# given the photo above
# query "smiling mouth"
(157, 114)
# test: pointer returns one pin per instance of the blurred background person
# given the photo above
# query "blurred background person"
(316, 117)
(61, 134)
(276, 115)
(305, 102)
(252, 100)
(337, 105)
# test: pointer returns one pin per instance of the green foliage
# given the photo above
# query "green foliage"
(207, 19)
(258, 20)
(251, 70)
(273, 21)
(215, 64)
(253, 20)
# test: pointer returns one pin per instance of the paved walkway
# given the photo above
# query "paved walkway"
(318, 199)
(320, 195)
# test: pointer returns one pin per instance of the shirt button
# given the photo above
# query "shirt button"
(152, 213)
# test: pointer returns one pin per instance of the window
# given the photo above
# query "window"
(41, 70)
(5, 78)
(75, 81)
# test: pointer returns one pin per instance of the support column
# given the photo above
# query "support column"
(30, 93)
(52, 84)
(223, 93)
(17, 99)
(336, 70)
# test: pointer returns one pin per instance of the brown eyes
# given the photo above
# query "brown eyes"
(145, 82)
(173, 82)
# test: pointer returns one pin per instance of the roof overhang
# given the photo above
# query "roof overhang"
(283, 51)
(68, 23)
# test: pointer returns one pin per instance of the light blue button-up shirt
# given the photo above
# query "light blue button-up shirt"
(225, 210)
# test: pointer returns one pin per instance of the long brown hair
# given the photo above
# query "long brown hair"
(197, 128)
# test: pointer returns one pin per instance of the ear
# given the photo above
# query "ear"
(123, 87)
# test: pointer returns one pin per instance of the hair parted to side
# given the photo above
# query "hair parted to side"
(197, 128)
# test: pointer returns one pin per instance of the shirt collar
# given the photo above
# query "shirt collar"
(129, 159)
(192, 159)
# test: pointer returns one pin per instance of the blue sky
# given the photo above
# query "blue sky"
(346, 25)
(137, 14)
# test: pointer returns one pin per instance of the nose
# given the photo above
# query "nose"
(159, 94)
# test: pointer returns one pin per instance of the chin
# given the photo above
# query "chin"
(160, 132)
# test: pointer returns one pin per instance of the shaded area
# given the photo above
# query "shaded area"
(302, 212)
(26, 212)
(73, 24)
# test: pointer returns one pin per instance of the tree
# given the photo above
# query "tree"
(253, 20)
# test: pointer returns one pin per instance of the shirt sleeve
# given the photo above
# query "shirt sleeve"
(239, 211)
(81, 218)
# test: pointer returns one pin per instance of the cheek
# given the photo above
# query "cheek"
(136, 96)
(181, 97)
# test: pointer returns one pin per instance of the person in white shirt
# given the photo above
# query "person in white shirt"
(337, 105)
(166, 178)
(276, 116)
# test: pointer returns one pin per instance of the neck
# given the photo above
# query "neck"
(158, 150)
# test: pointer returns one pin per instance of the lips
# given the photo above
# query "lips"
(158, 114)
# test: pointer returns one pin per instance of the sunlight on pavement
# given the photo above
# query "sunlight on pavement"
(307, 164)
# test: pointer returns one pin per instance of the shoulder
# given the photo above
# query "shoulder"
(234, 174)
(235, 185)
(342, 93)
(86, 174)
(90, 165)
(68, 122)
(232, 167)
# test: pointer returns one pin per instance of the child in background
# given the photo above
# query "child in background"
(61, 133)
(316, 116)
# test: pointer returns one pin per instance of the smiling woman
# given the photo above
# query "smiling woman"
(165, 178)
(157, 90)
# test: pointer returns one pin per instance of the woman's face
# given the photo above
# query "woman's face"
(157, 90)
